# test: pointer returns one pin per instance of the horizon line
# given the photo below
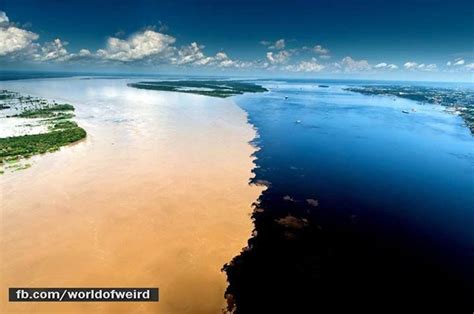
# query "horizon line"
(256, 76)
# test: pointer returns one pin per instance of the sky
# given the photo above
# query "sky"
(371, 39)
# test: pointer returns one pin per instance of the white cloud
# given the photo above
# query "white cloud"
(305, 66)
(410, 65)
(3, 18)
(278, 45)
(350, 65)
(19, 44)
(456, 62)
(431, 67)
(470, 66)
(84, 52)
(193, 55)
(54, 50)
(320, 50)
(278, 58)
(387, 66)
(14, 39)
(459, 65)
(222, 60)
(137, 47)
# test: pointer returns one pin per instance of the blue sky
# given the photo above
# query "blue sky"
(418, 39)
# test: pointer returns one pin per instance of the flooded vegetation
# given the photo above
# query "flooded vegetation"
(45, 127)
(222, 88)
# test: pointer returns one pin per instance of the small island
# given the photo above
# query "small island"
(457, 101)
(215, 88)
(41, 127)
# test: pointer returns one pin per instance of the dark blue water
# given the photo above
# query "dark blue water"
(362, 152)
(395, 213)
